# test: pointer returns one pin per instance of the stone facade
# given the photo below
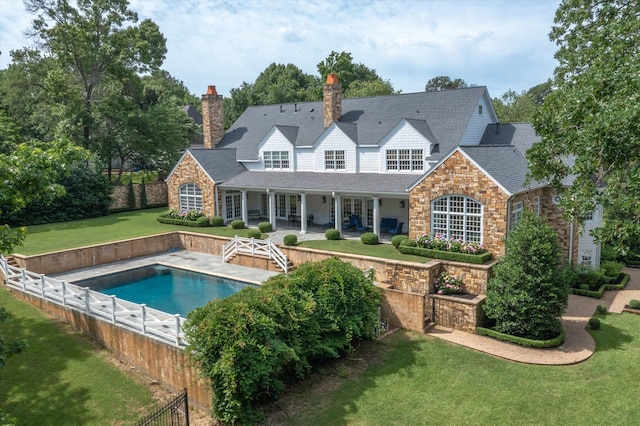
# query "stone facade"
(189, 171)
(457, 312)
(212, 117)
(459, 176)
(332, 100)
(156, 195)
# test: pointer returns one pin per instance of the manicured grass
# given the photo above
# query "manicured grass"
(63, 378)
(422, 381)
(386, 251)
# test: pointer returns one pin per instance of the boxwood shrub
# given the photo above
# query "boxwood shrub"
(332, 234)
(523, 341)
(254, 233)
(369, 238)
(237, 224)
(200, 222)
(290, 240)
(594, 323)
(397, 239)
(265, 227)
(405, 248)
(634, 304)
(217, 221)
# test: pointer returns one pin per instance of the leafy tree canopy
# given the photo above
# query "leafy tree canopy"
(590, 122)
(444, 82)
(513, 107)
(350, 73)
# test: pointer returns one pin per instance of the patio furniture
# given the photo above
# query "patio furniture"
(397, 230)
(294, 219)
(328, 225)
(310, 219)
(351, 223)
(359, 226)
(388, 223)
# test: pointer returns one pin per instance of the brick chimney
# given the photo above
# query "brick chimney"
(332, 100)
(212, 117)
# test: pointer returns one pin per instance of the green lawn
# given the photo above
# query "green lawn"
(63, 378)
(385, 251)
(420, 380)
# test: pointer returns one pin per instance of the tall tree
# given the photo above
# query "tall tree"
(590, 122)
(513, 107)
(365, 79)
(444, 82)
(96, 41)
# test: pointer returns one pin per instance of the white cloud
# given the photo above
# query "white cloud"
(498, 43)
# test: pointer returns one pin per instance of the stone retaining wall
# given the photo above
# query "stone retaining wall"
(156, 195)
(455, 312)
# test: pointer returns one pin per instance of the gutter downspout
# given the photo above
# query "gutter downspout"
(571, 243)
(215, 195)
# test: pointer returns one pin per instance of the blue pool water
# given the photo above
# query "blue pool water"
(172, 290)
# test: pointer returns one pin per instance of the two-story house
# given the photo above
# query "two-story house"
(439, 162)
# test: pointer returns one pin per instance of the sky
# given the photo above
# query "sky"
(501, 44)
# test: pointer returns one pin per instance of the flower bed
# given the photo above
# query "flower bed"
(448, 283)
(194, 218)
(454, 245)
(446, 255)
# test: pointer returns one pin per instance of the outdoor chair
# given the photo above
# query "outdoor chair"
(351, 223)
(397, 230)
(328, 225)
(359, 226)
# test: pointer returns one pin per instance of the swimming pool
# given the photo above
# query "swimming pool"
(168, 289)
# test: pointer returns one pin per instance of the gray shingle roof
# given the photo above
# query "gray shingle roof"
(323, 182)
(365, 120)
(220, 164)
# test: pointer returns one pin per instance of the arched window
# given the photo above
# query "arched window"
(190, 197)
(457, 216)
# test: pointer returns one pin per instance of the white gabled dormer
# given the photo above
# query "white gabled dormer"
(405, 149)
(482, 115)
(335, 151)
(276, 150)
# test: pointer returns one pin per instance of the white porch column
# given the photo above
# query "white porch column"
(272, 209)
(245, 216)
(303, 213)
(338, 208)
(376, 216)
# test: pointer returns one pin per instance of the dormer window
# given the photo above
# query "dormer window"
(276, 159)
(334, 160)
(405, 160)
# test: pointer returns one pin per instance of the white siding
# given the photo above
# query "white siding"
(336, 140)
(477, 124)
(369, 160)
(403, 136)
(274, 141)
(305, 159)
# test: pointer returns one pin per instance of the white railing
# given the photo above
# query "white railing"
(139, 318)
(255, 248)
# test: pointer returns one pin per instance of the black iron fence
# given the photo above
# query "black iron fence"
(173, 413)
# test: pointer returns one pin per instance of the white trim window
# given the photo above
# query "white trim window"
(457, 216)
(276, 160)
(334, 160)
(516, 213)
(405, 160)
(190, 197)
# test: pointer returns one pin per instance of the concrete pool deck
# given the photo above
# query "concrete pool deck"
(184, 259)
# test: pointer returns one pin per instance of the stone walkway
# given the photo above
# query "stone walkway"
(578, 345)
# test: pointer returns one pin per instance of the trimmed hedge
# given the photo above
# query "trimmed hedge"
(594, 323)
(369, 238)
(549, 343)
(237, 224)
(597, 294)
(332, 234)
(445, 255)
(265, 227)
(199, 223)
(217, 221)
(397, 239)
(254, 233)
(290, 240)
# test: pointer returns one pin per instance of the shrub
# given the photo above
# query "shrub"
(593, 278)
(634, 304)
(369, 238)
(584, 287)
(250, 344)
(143, 194)
(456, 245)
(131, 196)
(611, 270)
(290, 240)
(397, 239)
(448, 283)
(408, 243)
(254, 233)
(528, 293)
(265, 227)
(601, 308)
(332, 234)
(237, 224)
(594, 323)
(202, 221)
(216, 221)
